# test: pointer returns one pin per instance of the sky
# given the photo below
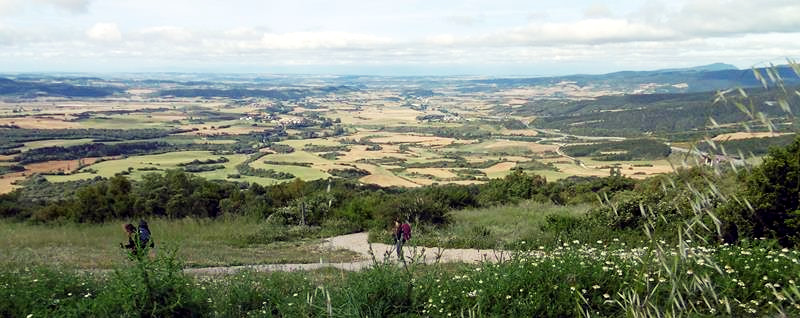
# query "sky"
(395, 37)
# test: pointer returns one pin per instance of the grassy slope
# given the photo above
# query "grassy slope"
(501, 226)
(199, 242)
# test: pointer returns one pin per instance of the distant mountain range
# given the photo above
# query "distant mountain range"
(717, 76)
(704, 78)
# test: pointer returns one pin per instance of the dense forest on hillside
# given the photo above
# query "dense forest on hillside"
(633, 149)
(632, 115)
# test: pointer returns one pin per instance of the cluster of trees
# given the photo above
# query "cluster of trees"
(245, 169)
(176, 194)
(632, 149)
(630, 115)
(202, 168)
(93, 150)
(203, 162)
(349, 173)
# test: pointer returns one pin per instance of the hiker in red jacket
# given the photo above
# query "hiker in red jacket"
(402, 234)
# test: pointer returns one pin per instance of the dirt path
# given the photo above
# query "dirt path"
(358, 242)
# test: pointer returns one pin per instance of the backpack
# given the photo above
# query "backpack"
(406, 231)
(144, 236)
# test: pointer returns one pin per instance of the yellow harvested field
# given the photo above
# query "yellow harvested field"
(296, 157)
(500, 167)
(39, 123)
(360, 152)
(388, 181)
(410, 138)
(67, 166)
(299, 144)
(383, 177)
(747, 135)
(436, 172)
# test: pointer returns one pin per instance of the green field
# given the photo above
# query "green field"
(161, 161)
(297, 157)
(304, 173)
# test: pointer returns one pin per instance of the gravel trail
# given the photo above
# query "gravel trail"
(357, 242)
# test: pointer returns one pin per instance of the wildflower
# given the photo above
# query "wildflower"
(689, 272)
(69, 294)
(764, 277)
(209, 300)
(472, 293)
(595, 286)
(572, 288)
(29, 316)
(606, 296)
(87, 295)
(508, 296)
(294, 295)
(599, 242)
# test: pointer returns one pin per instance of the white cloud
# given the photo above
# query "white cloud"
(106, 32)
(168, 33)
(321, 40)
(597, 11)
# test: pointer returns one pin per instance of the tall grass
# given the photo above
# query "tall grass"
(200, 242)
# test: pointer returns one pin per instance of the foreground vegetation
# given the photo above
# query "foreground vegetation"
(602, 278)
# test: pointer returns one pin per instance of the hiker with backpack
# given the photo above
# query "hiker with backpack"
(138, 239)
(402, 233)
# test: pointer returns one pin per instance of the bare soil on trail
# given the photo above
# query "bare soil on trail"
(357, 242)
